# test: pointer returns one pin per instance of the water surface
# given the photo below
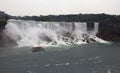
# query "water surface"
(87, 58)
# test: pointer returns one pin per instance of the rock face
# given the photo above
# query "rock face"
(2, 27)
(4, 40)
(3, 20)
(109, 31)
(2, 37)
(2, 24)
(90, 26)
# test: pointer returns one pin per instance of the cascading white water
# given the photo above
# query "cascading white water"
(34, 33)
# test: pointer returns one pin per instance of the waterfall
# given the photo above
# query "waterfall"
(35, 33)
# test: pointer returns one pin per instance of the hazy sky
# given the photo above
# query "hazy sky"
(55, 7)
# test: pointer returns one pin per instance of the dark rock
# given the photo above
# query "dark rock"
(2, 24)
(92, 40)
(3, 19)
(90, 26)
(109, 31)
(4, 40)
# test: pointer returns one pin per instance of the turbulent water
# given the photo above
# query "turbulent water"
(84, 58)
(35, 33)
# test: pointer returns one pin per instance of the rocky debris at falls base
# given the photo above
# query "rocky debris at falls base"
(71, 39)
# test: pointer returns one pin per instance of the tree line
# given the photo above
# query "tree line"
(66, 18)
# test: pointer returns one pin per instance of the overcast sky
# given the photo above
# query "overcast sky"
(55, 7)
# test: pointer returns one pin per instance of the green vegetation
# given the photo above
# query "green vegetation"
(3, 20)
(73, 18)
(67, 18)
(3, 16)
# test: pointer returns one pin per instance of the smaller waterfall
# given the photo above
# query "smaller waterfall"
(34, 33)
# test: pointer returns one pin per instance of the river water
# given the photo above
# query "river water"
(84, 58)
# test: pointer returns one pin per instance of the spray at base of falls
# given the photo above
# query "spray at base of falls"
(35, 33)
